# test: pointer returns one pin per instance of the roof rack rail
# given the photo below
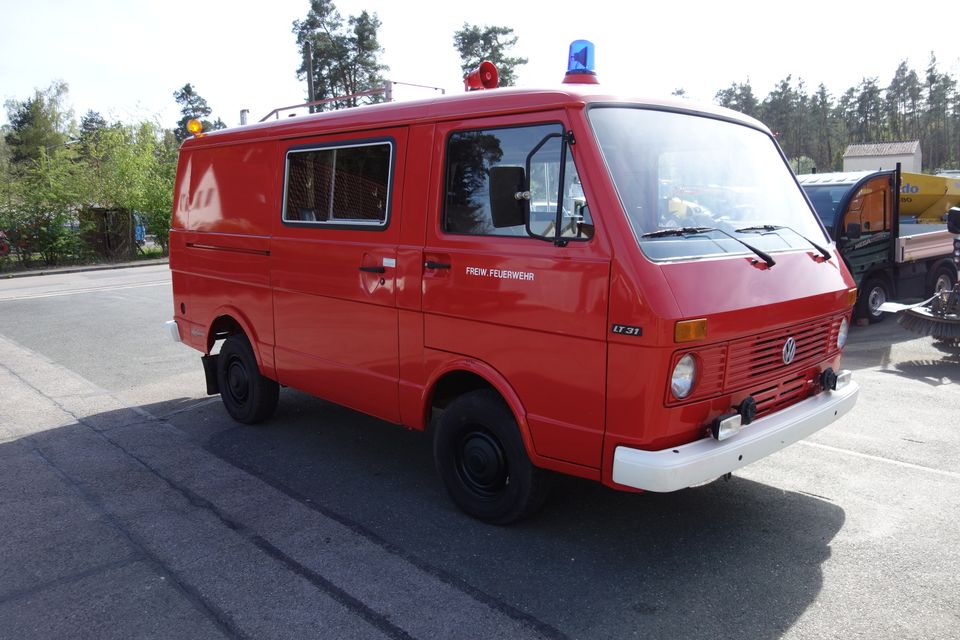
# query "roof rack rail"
(386, 89)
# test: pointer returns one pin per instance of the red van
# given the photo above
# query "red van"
(559, 280)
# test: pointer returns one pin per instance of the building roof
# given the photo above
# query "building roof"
(882, 149)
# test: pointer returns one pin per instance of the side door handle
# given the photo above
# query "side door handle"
(430, 264)
(373, 269)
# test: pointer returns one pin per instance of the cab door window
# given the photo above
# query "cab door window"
(472, 154)
(870, 206)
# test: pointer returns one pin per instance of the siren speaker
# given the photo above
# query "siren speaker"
(485, 76)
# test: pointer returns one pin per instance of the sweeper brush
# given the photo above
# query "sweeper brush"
(938, 317)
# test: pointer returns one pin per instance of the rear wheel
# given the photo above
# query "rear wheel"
(483, 463)
(248, 396)
(873, 293)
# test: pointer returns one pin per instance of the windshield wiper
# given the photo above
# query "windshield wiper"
(678, 231)
(690, 231)
(775, 227)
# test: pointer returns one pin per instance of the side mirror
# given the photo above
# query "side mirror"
(508, 200)
(853, 231)
(953, 220)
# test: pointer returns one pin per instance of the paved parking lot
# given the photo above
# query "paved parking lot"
(131, 506)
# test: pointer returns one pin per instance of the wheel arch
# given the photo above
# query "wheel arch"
(461, 376)
(228, 320)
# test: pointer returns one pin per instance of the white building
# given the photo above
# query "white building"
(883, 156)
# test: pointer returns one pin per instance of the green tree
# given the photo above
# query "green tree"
(39, 213)
(131, 168)
(92, 125)
(346, 57)
(739, 97)
(37, 183)
(897, 102)
(940, 90)
(37, 124)
(846, 116)
(193, 106)
(476, 44)
(779, 112)
(823, 130)
(869, 109)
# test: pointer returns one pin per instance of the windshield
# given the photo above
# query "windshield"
(825, 199)
(724, 181)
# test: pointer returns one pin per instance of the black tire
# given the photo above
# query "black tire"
(943, 277)
(247, 395)
(483, 463)
(873, 292)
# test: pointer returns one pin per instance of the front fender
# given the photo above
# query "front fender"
(493, 377)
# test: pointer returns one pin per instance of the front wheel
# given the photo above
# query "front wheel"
(483, 463)
(873, 293)
(942, 279)
(248, 396)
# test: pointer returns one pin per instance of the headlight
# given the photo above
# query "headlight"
(842, 334)
(684, 374)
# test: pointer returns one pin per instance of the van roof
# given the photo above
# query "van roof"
(490, 102)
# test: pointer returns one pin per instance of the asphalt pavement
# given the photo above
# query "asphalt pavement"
(132, 506)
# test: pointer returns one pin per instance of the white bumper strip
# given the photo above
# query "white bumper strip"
(706, 459)
(174, 330)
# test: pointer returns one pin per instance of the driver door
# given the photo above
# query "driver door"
(533, 311)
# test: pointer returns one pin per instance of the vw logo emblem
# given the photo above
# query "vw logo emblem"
(789, 350)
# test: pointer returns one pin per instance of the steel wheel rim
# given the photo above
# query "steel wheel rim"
(238, 382)
(481, 463)
(943, 283)
(876, 298)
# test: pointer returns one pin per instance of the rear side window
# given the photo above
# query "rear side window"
(339, 185)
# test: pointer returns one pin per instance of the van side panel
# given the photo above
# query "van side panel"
(226, 197)
(335, 290)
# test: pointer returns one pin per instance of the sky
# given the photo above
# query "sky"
(125, 58)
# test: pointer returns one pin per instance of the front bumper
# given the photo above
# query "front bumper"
(703, 460)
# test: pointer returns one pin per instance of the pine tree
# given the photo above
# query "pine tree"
(346, 57)
(193, 106)
(476, 44)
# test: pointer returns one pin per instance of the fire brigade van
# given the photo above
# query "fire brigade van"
(557, 280)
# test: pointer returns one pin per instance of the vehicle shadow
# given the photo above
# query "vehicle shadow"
(726, 560)
(889, 346)
(729, 559)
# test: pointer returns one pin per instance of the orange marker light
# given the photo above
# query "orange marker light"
(195, 127)
(690, 330)
(851, 297)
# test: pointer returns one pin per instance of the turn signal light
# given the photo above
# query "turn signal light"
(851, 297)
(690, 330)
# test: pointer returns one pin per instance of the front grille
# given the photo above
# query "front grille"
(759, 358)
(779, 395)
